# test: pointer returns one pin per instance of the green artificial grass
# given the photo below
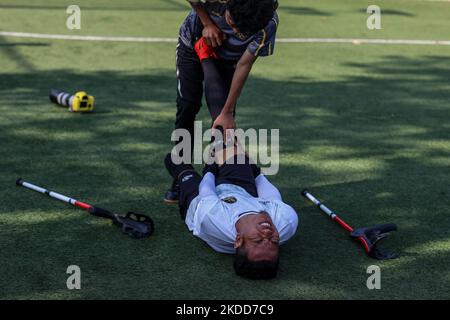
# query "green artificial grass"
(365, 127)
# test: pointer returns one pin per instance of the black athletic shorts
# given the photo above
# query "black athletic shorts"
(242, 175)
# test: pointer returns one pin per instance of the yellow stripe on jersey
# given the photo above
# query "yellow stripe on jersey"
(262, 42)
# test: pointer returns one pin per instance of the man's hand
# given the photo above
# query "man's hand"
(225, 120)
(214, 37)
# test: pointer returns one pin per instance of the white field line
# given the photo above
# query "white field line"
(367, 41)
(172, 40)
(83, 38)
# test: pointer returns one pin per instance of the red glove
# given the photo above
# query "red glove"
(204, 51)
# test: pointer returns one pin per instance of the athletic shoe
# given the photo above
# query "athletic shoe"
(172, 195)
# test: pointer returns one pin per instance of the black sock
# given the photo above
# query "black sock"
(175, 169)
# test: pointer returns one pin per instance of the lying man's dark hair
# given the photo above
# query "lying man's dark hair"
(259, 270)
(250, 16)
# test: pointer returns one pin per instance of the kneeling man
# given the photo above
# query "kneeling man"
(235, 209)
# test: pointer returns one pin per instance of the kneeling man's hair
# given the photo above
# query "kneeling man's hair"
(260, 270)
(250, 16)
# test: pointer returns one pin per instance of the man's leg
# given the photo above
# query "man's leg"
(189, 88)
(227, 69)
(189, 99)
(188, 180)
(235, 167)
(218, 77)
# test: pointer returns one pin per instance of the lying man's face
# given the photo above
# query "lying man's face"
(258, 237)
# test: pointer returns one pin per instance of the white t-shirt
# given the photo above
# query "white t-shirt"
(213, 214)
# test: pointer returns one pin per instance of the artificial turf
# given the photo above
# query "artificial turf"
(365, 127)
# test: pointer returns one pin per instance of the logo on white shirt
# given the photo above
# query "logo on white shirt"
(229, 200)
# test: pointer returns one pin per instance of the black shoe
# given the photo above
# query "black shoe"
(173, 193)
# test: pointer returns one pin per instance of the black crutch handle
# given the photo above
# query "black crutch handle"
(99, 212)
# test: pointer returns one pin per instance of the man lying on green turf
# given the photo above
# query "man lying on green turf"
(235, 209)
(225, 36)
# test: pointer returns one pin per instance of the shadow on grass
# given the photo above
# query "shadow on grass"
(393, 12)
(305, 11)
(375, 147)
(23, 44)
(10, 49)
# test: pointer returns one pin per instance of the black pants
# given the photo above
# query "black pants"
(242, 175)
(217, 75)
